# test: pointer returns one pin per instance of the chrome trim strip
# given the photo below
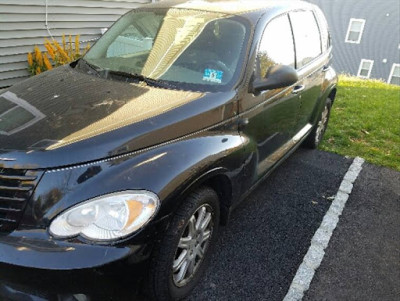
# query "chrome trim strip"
(268, 162)
(302, 133)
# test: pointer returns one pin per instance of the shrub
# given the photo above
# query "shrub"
(56, 54)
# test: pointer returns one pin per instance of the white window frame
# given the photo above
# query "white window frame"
(360, 68)
(392, 72)
(349, 29)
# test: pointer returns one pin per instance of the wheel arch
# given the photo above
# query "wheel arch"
(332, 94)
(221, 183)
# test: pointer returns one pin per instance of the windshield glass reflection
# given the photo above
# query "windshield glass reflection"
(197, 49)
(16, 114)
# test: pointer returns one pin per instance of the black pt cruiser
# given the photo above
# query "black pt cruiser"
(137, 152)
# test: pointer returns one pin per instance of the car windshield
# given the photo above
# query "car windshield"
(193, 50)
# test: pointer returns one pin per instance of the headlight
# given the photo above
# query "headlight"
(107, 217)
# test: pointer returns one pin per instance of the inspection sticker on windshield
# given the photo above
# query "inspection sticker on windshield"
(212, 75)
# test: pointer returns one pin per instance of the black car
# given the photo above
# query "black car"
(137, 152)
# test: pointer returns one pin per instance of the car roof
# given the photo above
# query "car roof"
(233, 7)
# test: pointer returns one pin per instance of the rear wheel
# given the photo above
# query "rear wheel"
(316, 135)
(185, 249)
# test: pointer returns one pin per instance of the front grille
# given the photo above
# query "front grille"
(16, 187)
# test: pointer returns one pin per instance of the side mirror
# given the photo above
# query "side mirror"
(278, 76)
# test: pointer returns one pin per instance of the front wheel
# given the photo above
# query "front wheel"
(315, 137)
(184, 252)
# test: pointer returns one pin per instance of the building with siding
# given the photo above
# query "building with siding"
(25, 23)
(366, 37)
(366, 33)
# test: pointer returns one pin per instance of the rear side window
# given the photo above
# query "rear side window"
(276, 46)
(306, 36)
(323, 26)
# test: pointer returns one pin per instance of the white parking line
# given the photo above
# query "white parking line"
(319, 242)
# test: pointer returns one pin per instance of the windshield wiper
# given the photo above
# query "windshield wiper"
(141, 78)
(93, 67)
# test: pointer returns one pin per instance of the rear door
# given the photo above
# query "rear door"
(310, 64)
(270, 116)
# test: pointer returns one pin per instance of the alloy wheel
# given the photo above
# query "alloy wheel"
(322, 125)
(193, 245)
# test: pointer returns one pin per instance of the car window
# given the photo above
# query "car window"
(276, 46)
(136, 38)
(306, 36)
(323, 26)
(195, 50)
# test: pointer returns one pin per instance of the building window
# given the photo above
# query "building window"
(365, 68)
(394, 77)
(355, 31)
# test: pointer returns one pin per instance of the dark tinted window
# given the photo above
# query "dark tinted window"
(276, 47)
(306, 36)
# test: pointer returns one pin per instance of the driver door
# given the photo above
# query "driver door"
(271, 116)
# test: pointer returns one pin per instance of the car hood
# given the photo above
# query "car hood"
(65, 116)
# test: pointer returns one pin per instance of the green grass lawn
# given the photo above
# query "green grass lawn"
(365, 122)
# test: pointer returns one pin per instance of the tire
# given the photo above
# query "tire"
(177, 265)
(317, 133)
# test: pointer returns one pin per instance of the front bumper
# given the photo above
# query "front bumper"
(35, 249)
(121, 282)
(34, 266)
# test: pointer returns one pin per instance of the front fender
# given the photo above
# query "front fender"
(166, 170)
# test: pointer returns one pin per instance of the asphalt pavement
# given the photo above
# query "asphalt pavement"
(362, 261)
(260, 250)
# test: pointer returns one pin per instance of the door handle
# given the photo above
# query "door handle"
(242, 123)
(298, 89)
(326, 68)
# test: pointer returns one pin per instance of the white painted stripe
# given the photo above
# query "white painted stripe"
(312, 260)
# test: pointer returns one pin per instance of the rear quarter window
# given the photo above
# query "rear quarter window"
(323, 28)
